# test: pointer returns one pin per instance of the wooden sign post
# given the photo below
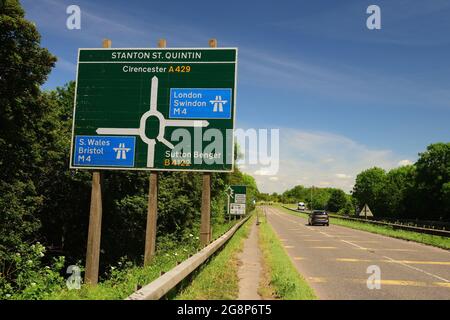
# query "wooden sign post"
(205, 226)
(95, 222)
(152, 210)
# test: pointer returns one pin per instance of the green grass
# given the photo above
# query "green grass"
(429, 239)
(285, 281)
(123, 282)
(218, 279)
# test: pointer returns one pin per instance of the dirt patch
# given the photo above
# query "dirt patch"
(250, 269)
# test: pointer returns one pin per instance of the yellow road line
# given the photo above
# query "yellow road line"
(368, 241)
(442, 284)
(387, 282)
(403, 283)
(444, 263)
(352, 260)
(323, 247)
(289, 247)
(299, 258)
(390, 249)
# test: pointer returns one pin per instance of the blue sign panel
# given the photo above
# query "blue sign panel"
(197, 103)
(92, 151)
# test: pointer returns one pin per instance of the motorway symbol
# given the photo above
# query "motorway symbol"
(121, 151)
(218, 104)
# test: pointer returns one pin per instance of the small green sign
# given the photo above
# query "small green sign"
(238, 198)
(155, 109)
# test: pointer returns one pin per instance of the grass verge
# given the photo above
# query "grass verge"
(218, 279)
(124, 280)
(284, 280)
(429, 239)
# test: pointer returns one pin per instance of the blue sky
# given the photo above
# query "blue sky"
(344, 97)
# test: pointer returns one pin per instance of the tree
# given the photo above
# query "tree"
(433, 176)
(369, 189)
(338, 200)
(24, 66)
(399, 191)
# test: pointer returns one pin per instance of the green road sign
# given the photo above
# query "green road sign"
(238, 194)
(155, 109)
(238, 199)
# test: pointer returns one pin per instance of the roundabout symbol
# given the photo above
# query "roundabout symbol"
(163, 123)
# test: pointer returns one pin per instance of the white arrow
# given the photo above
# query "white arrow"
(118, 131)
(151, 153)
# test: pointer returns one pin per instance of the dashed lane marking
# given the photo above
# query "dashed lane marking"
(442, 284)
(385, 282)
(366, 241)
(326, 234)
(417, 269)
(317, 279)
(323, 247)
(352, 260)
(444, 263)
(403, 264)
(388, 282)
(388, 249)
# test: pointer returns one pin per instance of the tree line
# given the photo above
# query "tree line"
(417, 191)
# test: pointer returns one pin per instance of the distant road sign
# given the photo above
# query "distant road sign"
(365, 212)
(172, 103)
(238, 196)
(237, 209)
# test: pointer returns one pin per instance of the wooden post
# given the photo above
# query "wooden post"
(95, 222)
(205, 227)
(152, 216)
(152, 209)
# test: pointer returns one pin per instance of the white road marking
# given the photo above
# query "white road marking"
(401, 263)
(326, 234)
(417, 269)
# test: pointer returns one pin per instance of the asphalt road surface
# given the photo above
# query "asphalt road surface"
(335, 260)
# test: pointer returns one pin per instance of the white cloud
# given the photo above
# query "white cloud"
(321, 159)
(343, 176)
(405, 162)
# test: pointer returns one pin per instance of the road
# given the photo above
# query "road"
(334, 261)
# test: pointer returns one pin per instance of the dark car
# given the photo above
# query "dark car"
(318, 217)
